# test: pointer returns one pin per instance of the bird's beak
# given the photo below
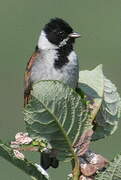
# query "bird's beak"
(74, 35)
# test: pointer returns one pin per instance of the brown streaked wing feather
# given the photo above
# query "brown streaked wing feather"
(27, 82)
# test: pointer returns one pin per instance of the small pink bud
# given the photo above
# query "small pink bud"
(18, 154)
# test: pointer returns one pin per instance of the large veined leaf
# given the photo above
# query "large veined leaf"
(106, 101)
(112, 172)
(57, 113)
(110, 111)
(92, 85)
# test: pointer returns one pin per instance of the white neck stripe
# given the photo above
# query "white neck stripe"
(63, 42)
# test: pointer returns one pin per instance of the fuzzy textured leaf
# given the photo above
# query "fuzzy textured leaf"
(106, 102)
(91, 83)
(57, 113)
(110, 111)
(112, 172)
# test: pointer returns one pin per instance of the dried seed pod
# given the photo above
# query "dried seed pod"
(91, 162)
(82, 146)
(88, 169)
(99, 161)
(82, 177)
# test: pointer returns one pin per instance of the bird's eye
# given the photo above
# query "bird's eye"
(61, 32)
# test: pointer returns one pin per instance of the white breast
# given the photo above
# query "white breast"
(44, 69)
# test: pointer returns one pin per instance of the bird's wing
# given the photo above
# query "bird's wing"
(27, 75)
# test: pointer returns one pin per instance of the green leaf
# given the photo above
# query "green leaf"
(110, 111)
(92, 83)
(29, 168)
(57, 113)
(112, 172)
(102, 93)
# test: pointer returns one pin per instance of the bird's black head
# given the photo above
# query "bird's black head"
(57, 30)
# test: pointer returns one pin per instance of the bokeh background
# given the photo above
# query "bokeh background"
(99, 22)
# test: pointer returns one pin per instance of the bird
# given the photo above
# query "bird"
(54, 58)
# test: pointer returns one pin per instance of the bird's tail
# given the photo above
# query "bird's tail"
(47, 161)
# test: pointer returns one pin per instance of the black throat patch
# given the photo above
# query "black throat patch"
(63, 53)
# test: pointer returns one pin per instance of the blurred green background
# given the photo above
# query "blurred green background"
(99, 22)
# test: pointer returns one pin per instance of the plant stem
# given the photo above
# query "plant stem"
(75, 167)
